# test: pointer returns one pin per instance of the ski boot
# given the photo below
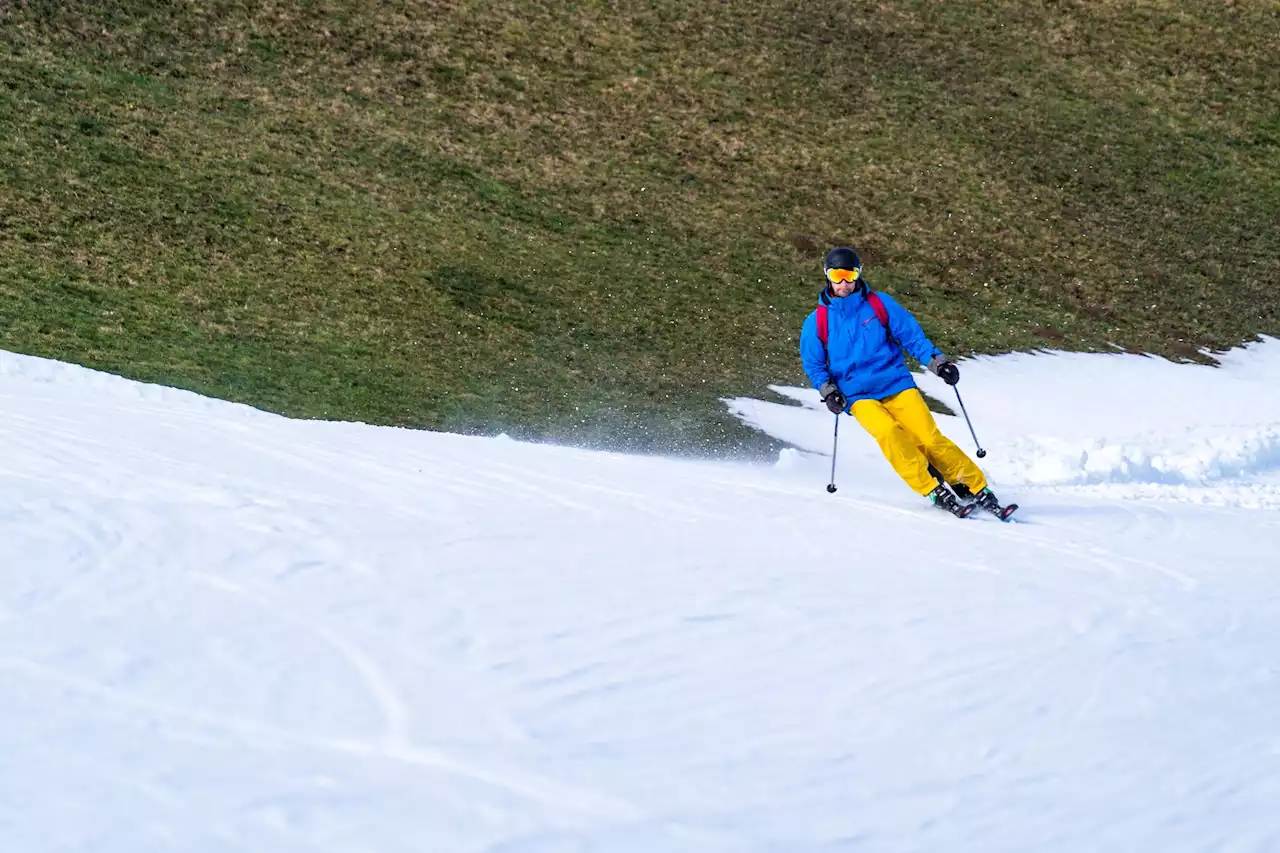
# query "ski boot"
(988, 501)
(944, 498)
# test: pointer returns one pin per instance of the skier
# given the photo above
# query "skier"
(852, 348)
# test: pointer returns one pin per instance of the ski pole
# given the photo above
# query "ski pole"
(981, 452)
(835, 444)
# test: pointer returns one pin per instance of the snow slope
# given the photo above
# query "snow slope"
(223, 630)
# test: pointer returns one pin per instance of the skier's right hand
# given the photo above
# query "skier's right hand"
(836, 402)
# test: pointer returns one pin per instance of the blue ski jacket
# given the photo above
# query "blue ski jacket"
(862, 357)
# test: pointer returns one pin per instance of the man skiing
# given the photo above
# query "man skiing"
(852, 348)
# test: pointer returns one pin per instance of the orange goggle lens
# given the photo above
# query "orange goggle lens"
(843, 275)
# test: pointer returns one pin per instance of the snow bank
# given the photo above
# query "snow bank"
(1093, 419)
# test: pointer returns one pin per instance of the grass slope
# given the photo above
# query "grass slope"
(588, 221)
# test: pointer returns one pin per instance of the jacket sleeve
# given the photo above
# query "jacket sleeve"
(813, 355)
(907, 331)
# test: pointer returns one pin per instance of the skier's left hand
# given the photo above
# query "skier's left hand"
(948, 373)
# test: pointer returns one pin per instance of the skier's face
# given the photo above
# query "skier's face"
(843, 288)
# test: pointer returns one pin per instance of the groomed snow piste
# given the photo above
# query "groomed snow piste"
(222, 630)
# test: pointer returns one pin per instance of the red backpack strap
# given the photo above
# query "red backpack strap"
(882, 314)
(877, 306)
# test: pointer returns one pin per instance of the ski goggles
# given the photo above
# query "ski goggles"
(843, 275)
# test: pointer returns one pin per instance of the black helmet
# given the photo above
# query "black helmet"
(842, 258)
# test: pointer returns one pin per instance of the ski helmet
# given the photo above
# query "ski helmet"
(842, 258)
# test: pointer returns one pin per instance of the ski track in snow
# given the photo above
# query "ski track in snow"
(223, 630)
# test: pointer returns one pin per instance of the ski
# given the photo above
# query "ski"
(1004, 513)
(944, 499)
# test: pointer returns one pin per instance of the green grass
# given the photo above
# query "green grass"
(588, 222)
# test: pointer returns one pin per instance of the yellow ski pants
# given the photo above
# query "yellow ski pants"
(904, 428)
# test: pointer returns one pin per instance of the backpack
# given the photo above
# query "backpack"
(876, 305)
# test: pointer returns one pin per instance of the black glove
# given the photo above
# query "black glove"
(948, 373)
(836, 402)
